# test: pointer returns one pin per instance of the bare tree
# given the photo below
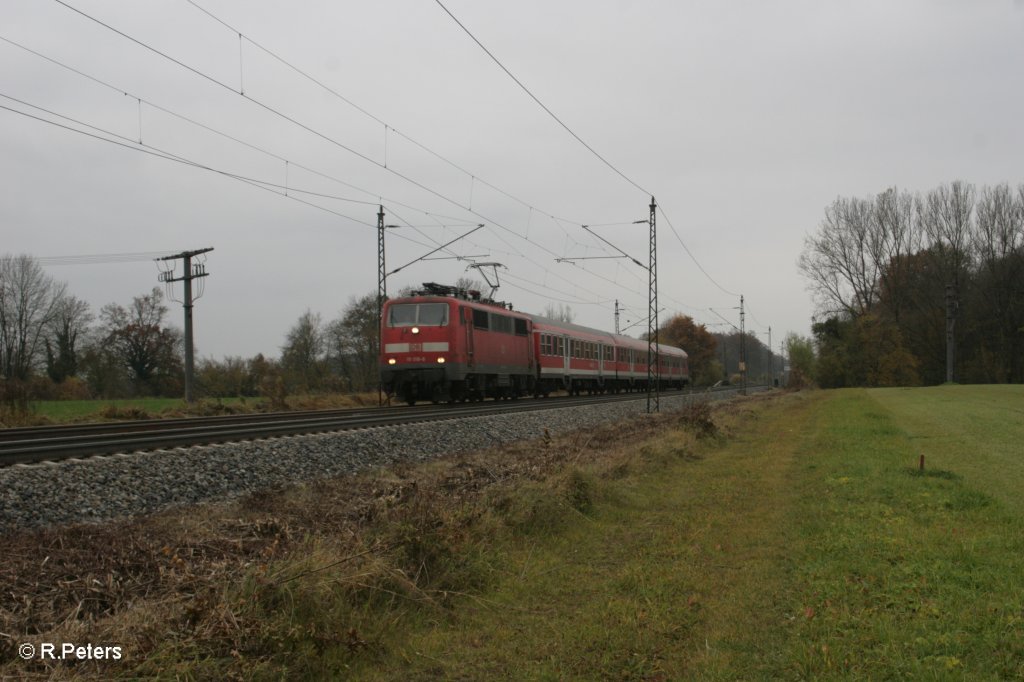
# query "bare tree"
(999, 248)
(70, 324)
(469, 284)
(29, 299)
(137, 338)
(837, 260)
(945, 215)
(895, 237)
(561, 312)
(352, 343)
(303, 352)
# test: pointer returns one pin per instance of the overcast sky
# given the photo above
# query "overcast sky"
(743, 119)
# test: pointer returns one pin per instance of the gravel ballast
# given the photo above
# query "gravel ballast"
(109, 487)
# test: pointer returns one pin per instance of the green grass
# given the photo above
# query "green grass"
(77, 410)
(60, 411)
(975, 431)
(911, 574)
(808, 547)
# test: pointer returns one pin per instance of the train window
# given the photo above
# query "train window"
(520, 327)
(480, 319)
(418, 314)
(501, 323)
(545, 344)
(560, 347)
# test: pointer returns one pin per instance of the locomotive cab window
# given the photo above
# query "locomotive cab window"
(418, 314)
(520, 327)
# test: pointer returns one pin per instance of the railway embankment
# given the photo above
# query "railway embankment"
(104, 488)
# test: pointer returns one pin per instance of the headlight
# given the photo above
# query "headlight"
(392, 361)
(440, 361)
(415, 330)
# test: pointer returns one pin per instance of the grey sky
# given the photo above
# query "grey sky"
(744, 119)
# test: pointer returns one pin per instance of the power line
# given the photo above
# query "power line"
(215, 131)
(240, 92)
(541, 104)
(163, 154)
(581, 141)
(102, 258)
(387, 126)
(692, 257)
(153, 151)
(488, 220)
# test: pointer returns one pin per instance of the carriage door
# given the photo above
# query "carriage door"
(565, 353)
(467, 320)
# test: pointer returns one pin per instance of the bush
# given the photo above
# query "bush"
(697, 418)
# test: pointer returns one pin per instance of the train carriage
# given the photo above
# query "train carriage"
(575, 358)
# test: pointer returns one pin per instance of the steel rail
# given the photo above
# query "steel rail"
(36, 444)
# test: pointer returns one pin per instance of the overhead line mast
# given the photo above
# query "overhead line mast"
(190, 272)
(653, 351)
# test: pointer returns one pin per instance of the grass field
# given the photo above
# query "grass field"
(808, 546)
(59, 411)
(66, 411)
(795, 540)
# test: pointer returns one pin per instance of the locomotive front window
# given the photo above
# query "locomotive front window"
(418, 314)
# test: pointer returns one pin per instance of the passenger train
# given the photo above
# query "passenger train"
(446, 344)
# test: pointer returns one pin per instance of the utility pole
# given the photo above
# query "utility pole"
(771, 360)
(617, 316)
(782, 360)
(952, 306)
(190, 272)
(653, 352)
(382, 295)
(382, 290)
(725, 360)
(743, 349)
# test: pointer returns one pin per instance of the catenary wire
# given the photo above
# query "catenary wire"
(490, 221)
(580, 140)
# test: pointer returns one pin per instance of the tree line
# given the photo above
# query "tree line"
(715, 357)
(54, 346)
(890, 272)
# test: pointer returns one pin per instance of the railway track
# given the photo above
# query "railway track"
(54, 443)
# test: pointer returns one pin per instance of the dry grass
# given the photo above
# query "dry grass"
(210, 583)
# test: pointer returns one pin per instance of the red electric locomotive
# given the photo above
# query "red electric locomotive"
(448, 344)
